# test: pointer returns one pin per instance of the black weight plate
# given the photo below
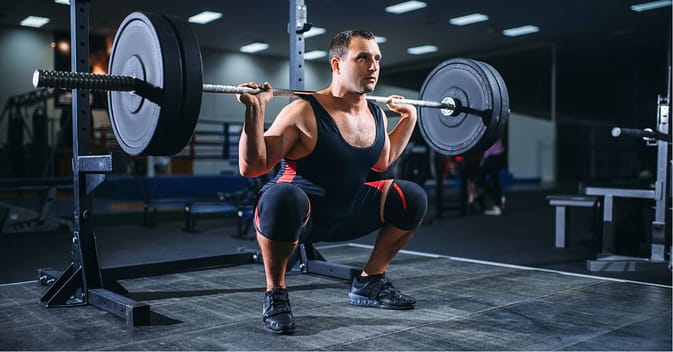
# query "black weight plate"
(504, 97)
(192, 77)
(465, 81)
(492, 133)
(145, 46)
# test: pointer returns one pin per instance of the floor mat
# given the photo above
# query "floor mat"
(462, 305)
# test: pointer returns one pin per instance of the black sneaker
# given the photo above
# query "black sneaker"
(277, 314)
(377, 291)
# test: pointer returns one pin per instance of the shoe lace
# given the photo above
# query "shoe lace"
(278, 302)
(386, 289)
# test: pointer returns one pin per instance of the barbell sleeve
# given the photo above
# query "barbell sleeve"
(83, 80)
(646, 133)
(103, 82)
(451, 105)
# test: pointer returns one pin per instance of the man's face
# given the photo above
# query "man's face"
(360, 67)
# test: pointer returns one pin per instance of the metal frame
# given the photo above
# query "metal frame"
(560, 203)
(84, 281)
(307, 260)
(297, 26)
(606, 261)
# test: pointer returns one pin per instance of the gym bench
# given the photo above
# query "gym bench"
(241, 210)
(193, 207)
(563, 201)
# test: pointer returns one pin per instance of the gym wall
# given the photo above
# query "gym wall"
(21, 51)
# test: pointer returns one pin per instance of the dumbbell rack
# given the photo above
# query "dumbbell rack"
(84, 281)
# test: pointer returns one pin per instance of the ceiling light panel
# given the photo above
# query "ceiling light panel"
(315, 54)
(34, 21)
(517, 31)
(405, 7)
(254, 47)
(468, 19)
(650, 5)
(205, 17)
(423, 49)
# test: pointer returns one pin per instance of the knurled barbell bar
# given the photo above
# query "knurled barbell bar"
(103, 82)
(155, 85)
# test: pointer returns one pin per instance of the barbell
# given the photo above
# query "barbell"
(155, 84)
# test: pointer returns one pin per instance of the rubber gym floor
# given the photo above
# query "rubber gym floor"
(482, 283)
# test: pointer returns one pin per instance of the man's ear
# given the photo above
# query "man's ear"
(335, 63)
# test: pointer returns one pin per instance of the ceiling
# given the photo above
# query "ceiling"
(563, 22)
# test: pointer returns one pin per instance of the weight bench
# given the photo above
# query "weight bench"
(15, 218)
(202, 194)
(242, 211)
(193, 207)
(563, 201)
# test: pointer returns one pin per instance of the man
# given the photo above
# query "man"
(327, 143)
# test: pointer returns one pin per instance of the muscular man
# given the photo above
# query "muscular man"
(327, 143)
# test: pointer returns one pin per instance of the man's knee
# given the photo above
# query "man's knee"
(281, 212)
(406, 205)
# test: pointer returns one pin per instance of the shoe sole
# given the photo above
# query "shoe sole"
(279, 332)
(285, 331)
(363, 301)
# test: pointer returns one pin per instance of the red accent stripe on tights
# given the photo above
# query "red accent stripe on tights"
(377, 184)
(289, 173)
(308, 212)
(258, 227)
(399, 191)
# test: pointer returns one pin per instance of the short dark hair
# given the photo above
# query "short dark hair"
(340, 43)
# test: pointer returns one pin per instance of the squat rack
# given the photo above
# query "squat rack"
(84, 281)
(660, 193)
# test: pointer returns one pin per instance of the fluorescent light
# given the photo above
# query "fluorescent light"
(63, 2)
(468, 19)
(380, 39)
(315, 54)
(405, 7)
(254, 47)
(314, 31)
(650, 5)
(423, 49)
(513, 32)
(205, 17)
(34, 21)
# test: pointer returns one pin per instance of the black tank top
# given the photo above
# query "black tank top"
(335, 170)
